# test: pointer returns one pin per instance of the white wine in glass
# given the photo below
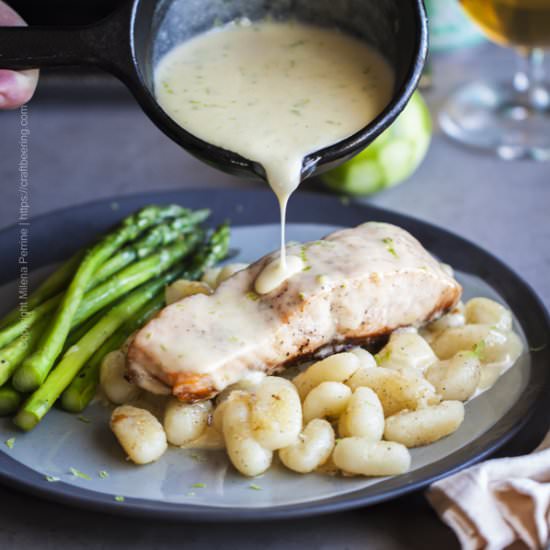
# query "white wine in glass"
(510, 118)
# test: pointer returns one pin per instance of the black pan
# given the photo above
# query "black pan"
(130, 42)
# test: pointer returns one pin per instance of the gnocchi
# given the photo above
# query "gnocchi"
(312, 449)
(182, 288)
(456, 378)
(245, 452)
(359, 456)
(363, 417)
(336, 368)
(366, 359)
(112, 379)
(184, 422)
(424, 426)
(396, 390)
(406, 349)
(455, 318)
(139, 433)
(484, 311)
(210, 276)
(328, 399)
(228, 271)
(492, 345)
(276, 413)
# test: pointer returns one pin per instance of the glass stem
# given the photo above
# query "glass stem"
(529, 79)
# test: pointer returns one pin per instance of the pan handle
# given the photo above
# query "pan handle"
(105, 44)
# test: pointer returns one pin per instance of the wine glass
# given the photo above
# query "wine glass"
(510, 118)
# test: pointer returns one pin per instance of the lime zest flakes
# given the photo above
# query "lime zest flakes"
(119, 498)
(302, 296)
(199, 486)
(321, 279)
(81, 475)
(103, 474)
(84, 419)
(382, 356)
(254, 296)
(51, 479)
(303, 255)
(254, 487)
(10, 443)
(388, 241)
(478, 349)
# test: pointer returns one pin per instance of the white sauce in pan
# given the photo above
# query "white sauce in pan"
(273, 93)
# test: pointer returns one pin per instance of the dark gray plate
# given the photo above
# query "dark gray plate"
(513, 407)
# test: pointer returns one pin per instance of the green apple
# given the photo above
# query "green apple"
(391, 158)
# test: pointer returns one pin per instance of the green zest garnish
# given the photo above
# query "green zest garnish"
(119, 498)
(390, 246)
(254, 296)
(10, 442)
(303, 255)
(254, 487)
(321, 279)
(479, 348)
(81, 475)
(103, 474)
(51, 479)
(383, 356)
(199, 485)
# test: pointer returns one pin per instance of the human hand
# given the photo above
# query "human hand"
(16, 87)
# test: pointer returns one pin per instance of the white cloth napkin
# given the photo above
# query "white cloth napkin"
(501, 503)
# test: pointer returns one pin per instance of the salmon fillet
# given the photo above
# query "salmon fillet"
(357, 284)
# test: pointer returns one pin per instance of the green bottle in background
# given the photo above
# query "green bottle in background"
(449, 26)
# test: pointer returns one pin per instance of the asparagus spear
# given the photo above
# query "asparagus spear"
(25, 324)
(52, 285)
(40, 402)
(160, 235)
(12, 355)
(32, 373)
(83, 387)
(10, 400)
(214, 251)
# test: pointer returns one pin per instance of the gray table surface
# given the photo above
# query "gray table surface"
(88, 145)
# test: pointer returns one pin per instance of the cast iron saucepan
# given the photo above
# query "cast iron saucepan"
(130, 42)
